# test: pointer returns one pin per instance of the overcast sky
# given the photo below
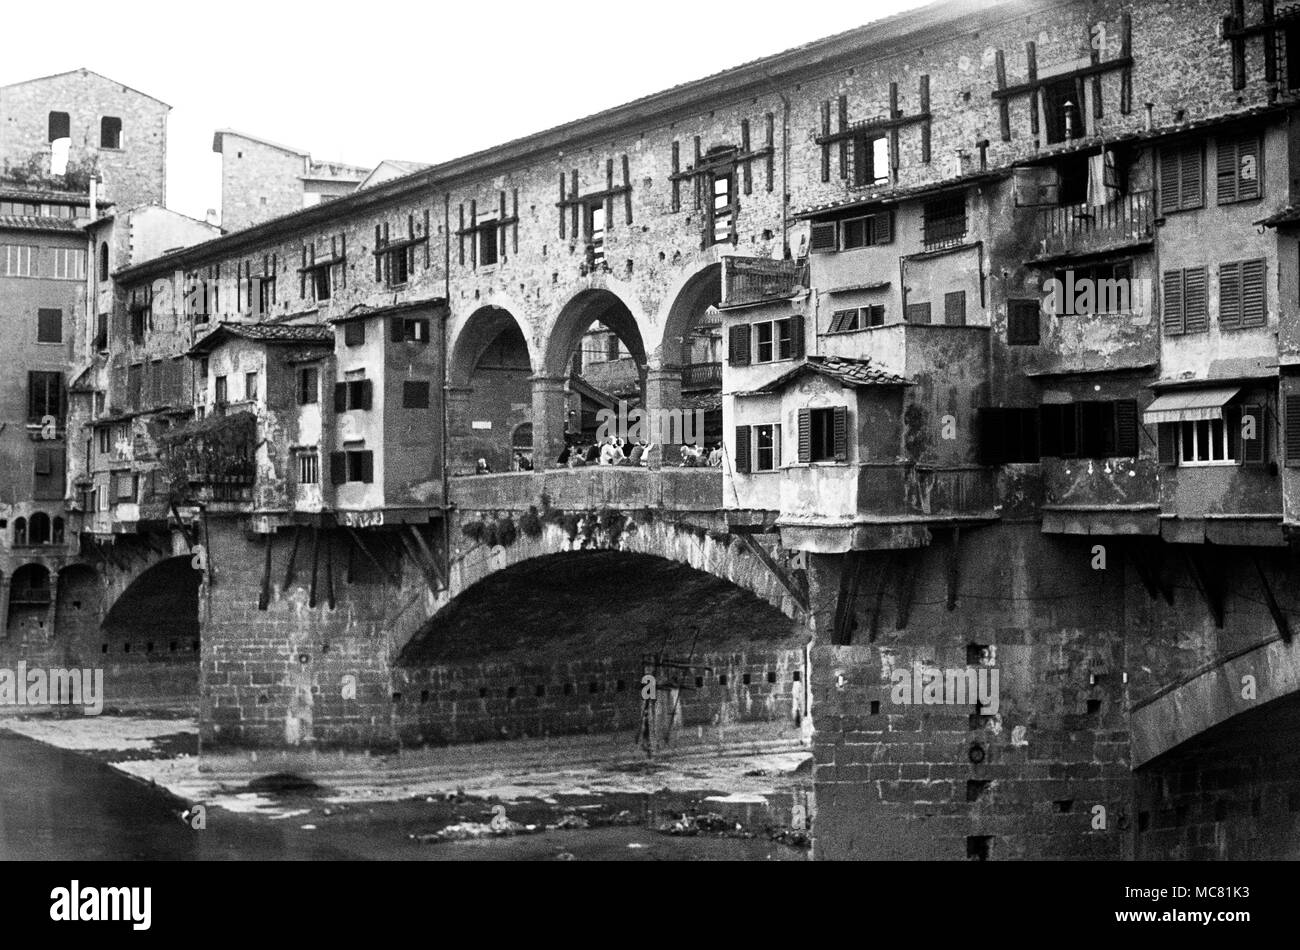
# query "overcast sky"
(361, 82)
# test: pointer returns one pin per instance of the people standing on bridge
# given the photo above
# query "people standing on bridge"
(715, 457)
(564, 456)
(593, 454)
(482, 468)
(608, 452)
(522, 462)
(638, 451)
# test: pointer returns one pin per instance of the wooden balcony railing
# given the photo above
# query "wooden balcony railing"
(701, 375)
(1083, 227)
(755, 279)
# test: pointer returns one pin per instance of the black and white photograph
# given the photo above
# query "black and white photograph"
(652, 433)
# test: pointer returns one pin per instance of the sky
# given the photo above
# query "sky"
(418, 81)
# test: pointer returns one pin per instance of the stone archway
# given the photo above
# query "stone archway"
(490, 375)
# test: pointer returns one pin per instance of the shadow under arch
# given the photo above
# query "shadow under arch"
(490, 373)
(158, 613)
(687, 309)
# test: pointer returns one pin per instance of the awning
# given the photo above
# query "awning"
(1190, 405)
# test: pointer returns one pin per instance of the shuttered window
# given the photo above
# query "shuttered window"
(822, 240)
(1184, 301)
(1167, 443)
(1182, 185)
(868, 231)
(355, 466)
(742, 449)
(1251, 422)
(353, 394)
(824, 434)
(1090, 429)
(1292, 423)
(1241, 295)
(1237, 169)
(1022, 322)
(954, 308)
(738, 345)
(1008, 435)
(918, 313)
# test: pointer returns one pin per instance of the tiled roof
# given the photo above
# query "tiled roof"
(847, 372)
(707, 401)
(23, 222)
(1288, 215)
(267, 333)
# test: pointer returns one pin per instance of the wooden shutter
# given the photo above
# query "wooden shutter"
(1171, 307)
(1237, 169)
(340, 397)
(742, 449)
(882, 228)
(1167, 443)
(1049, 429)
(1248, 172)
(823, 237)
(954, 308)
(805, 433)
(918, 313)
(841, 422)
(1253, 309)
(1230, 296)
(365, 391)
(738, 345)
(1196, 317)
(397, 329)
(1292, 429)
(1226, 170)
(1191, 188)
(797, 336)
(1126, 428)
(1254, 450)
(1023, 322)
(367, 466)
(1168, 180)
(843, 321)
(338, 468)
(991, 436)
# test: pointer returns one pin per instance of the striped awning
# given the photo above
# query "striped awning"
(1190, 405)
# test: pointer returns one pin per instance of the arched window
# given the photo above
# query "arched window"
(103, 261)
(20, 531)
(57, 536)
(38, 531)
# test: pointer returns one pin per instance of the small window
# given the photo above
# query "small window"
(250, 386)
(823, 435)
(220, 390)
(488, 237)
(398, 264)
(944, 221)
(723, 218)
(415, 394)
(103, 262)
(1023, 322)
(308, 386)
(105, 439)
(1182, 177)
(409, 330)
(954, 308)
(1063, 110)
(918, 313)
(44, 395)
(60, 126)
(870, 230)
(1207, 442)
(354, 333)
(110, 132)
(778, 340)
(1237, 170)
(767, 453)
(308, 468)
(1184, 301)
(49, 326)
(361, 466)
(1242, 302)
(320, 283)
(595, 224)
(870, 157)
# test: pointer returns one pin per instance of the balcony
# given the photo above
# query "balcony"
(751, 280)
(1101, 496)
(1084, 228)
(701, 375)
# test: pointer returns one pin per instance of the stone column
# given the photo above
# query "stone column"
(550, 410)
(664, 414)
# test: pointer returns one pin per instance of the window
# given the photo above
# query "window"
(103, 262)
(859, 318)
(1241, 295)
(44, 395)
(69, 263)
(954, 308)
(1096, 288)
(944, 221)
(824, 434)
(320, 283)
(110, 132)
(612, 348)
(415, 394)
(722, 226)
(409, 330)
(352, 394)
(60, 126)
(822, 238)
(250, 386)
(308, 385)
(917, 313)
(595, 225)
(1096, 429)
(1237, 169)
(105, 439)
(774, 340)
(1182, 185)
(1022, 322)
(354, 333)
(398, 264)
(47, 474)
(1008, 436)
(1184, 301)
(266, 285)
(1062, 108)
(488, 236)
(49, 326)
(352, 466)
(308, 468)
(1206, 442)
(767, 456)
(101, 332)
(870, 160)
(221, 393)
(20, 260)
(870, 230)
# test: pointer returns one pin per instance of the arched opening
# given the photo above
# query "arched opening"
(20, 531)
(38, 529)
(559, 644)
(692, 340)
(56, 533)
(596, 346)
(103, 262)
(148, 642)
(490, 372)
(29, 603)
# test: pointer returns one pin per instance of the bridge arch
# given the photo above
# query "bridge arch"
(684, 307)
(597, 298)
(1213, 696)
(490, 370)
